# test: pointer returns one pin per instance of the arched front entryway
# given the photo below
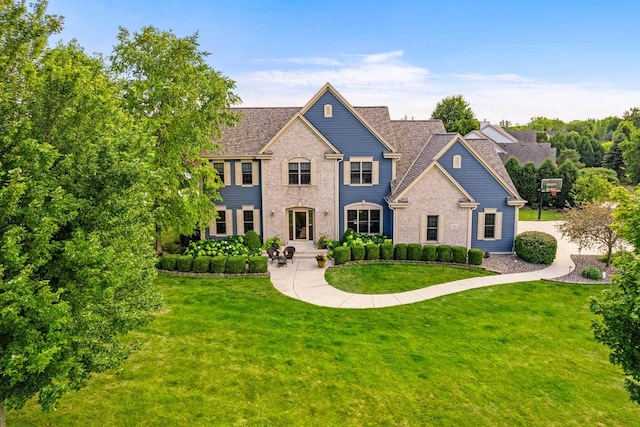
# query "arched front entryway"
(300, 224)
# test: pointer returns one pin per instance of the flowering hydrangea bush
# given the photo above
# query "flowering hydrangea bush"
(230, 246)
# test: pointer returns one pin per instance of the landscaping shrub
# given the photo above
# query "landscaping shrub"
(173, 248)
(236, 264)
(201, 264)
(341, 254)
(444, 253)
(386, 251)
(429, 253)
(592, 273)
(372, 251)
(230, 246)
(475, 256)
(414, 251)
(258, 264)
(357, 252)
(459, 254)
(169, 262)
(185, 262)
(270, 241)
(400, 251)
(252, 240)
(218, 264)
(536, 247)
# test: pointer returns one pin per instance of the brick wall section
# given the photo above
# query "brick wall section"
(298, 141)
(434, 194)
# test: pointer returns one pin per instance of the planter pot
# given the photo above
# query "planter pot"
(322, 263)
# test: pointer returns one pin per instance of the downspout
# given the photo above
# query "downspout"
(337, 200)
(470, 228)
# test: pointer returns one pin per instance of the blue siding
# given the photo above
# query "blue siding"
(353, 139)
(235, 196)
(486, 190)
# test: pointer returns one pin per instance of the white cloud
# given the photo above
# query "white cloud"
(385, 79)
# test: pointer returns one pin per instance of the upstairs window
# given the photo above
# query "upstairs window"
(247, 174)
(361, 172)
(299, 173)
(219, 167)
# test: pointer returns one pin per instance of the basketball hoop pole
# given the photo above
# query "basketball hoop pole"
(539, 203)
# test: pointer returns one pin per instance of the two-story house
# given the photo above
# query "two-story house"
(299, 173)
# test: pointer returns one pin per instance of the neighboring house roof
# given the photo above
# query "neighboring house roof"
(520, 144)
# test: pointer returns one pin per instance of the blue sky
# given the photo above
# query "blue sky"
(512, 60)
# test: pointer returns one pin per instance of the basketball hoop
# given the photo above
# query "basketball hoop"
(553, 191)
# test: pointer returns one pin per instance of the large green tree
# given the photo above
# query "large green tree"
(631, 156)
(617, 308)
(184, 103)
(76, 231)
(456, 114)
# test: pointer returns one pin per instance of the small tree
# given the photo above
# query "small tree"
(456, 114)
(590, 225)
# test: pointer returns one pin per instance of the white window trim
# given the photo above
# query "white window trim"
(498, 225)
(213, 230)
(423, 228)
(363, 205)
(375, 171)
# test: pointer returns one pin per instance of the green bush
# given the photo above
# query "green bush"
(201, 264)
(173, 248)
(536, 247)
(169, 262)
(270, 241)
(386, 251)
(357, 252)
(475, 256)
(429, 253)
(372, 251)
(592, 273)
(236, 264)
(414, 251)
(341, 254)
(400, 251)
(230, 246)
(258, 264)
(459, 254)
(252, 240)
(218, 264)
(444, 253)
(185, 262)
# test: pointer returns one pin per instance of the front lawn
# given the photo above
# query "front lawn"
(528, 214)
(387, 278)
(234, 351)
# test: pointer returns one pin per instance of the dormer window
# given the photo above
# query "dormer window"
(328, 111)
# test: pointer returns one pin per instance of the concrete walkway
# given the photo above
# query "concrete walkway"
(303, 279)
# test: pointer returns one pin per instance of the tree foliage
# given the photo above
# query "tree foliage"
(617, 308)
(184, 103)
(456, 114)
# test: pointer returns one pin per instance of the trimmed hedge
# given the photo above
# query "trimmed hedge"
(386, 251)
(444, 253)
(357, 252)
(341, 254)
(201, 264)
(372, 251)
(258, 264)
(459, 254)
(218, 264)
(169, 262)
(475, 256)
(185, 262)
(414, 251)
(536, 247)
(236, 264)
(429, 253)
(592, 273)
(400, 251)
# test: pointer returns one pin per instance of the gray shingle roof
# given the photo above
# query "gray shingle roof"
(410, 138)
(526, 136)
(536, 153)
(486, 148)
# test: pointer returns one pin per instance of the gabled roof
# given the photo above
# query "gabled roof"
(525, 136)
(535, 153)
(410, 137)
(299, 118)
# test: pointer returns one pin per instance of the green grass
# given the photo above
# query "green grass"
(386, 278)
(229, 352)
(528, 214)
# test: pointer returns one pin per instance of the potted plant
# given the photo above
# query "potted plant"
(322, 260)
(322, 241)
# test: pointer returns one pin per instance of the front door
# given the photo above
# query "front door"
(301, 224)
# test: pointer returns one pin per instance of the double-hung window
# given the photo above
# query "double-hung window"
(361, 171)
(490, 224)
(299, 173)
(219, 167)
(247, 174)
(247, 217)
(432, 228)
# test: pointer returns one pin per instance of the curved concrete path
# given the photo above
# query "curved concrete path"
(303, 279)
